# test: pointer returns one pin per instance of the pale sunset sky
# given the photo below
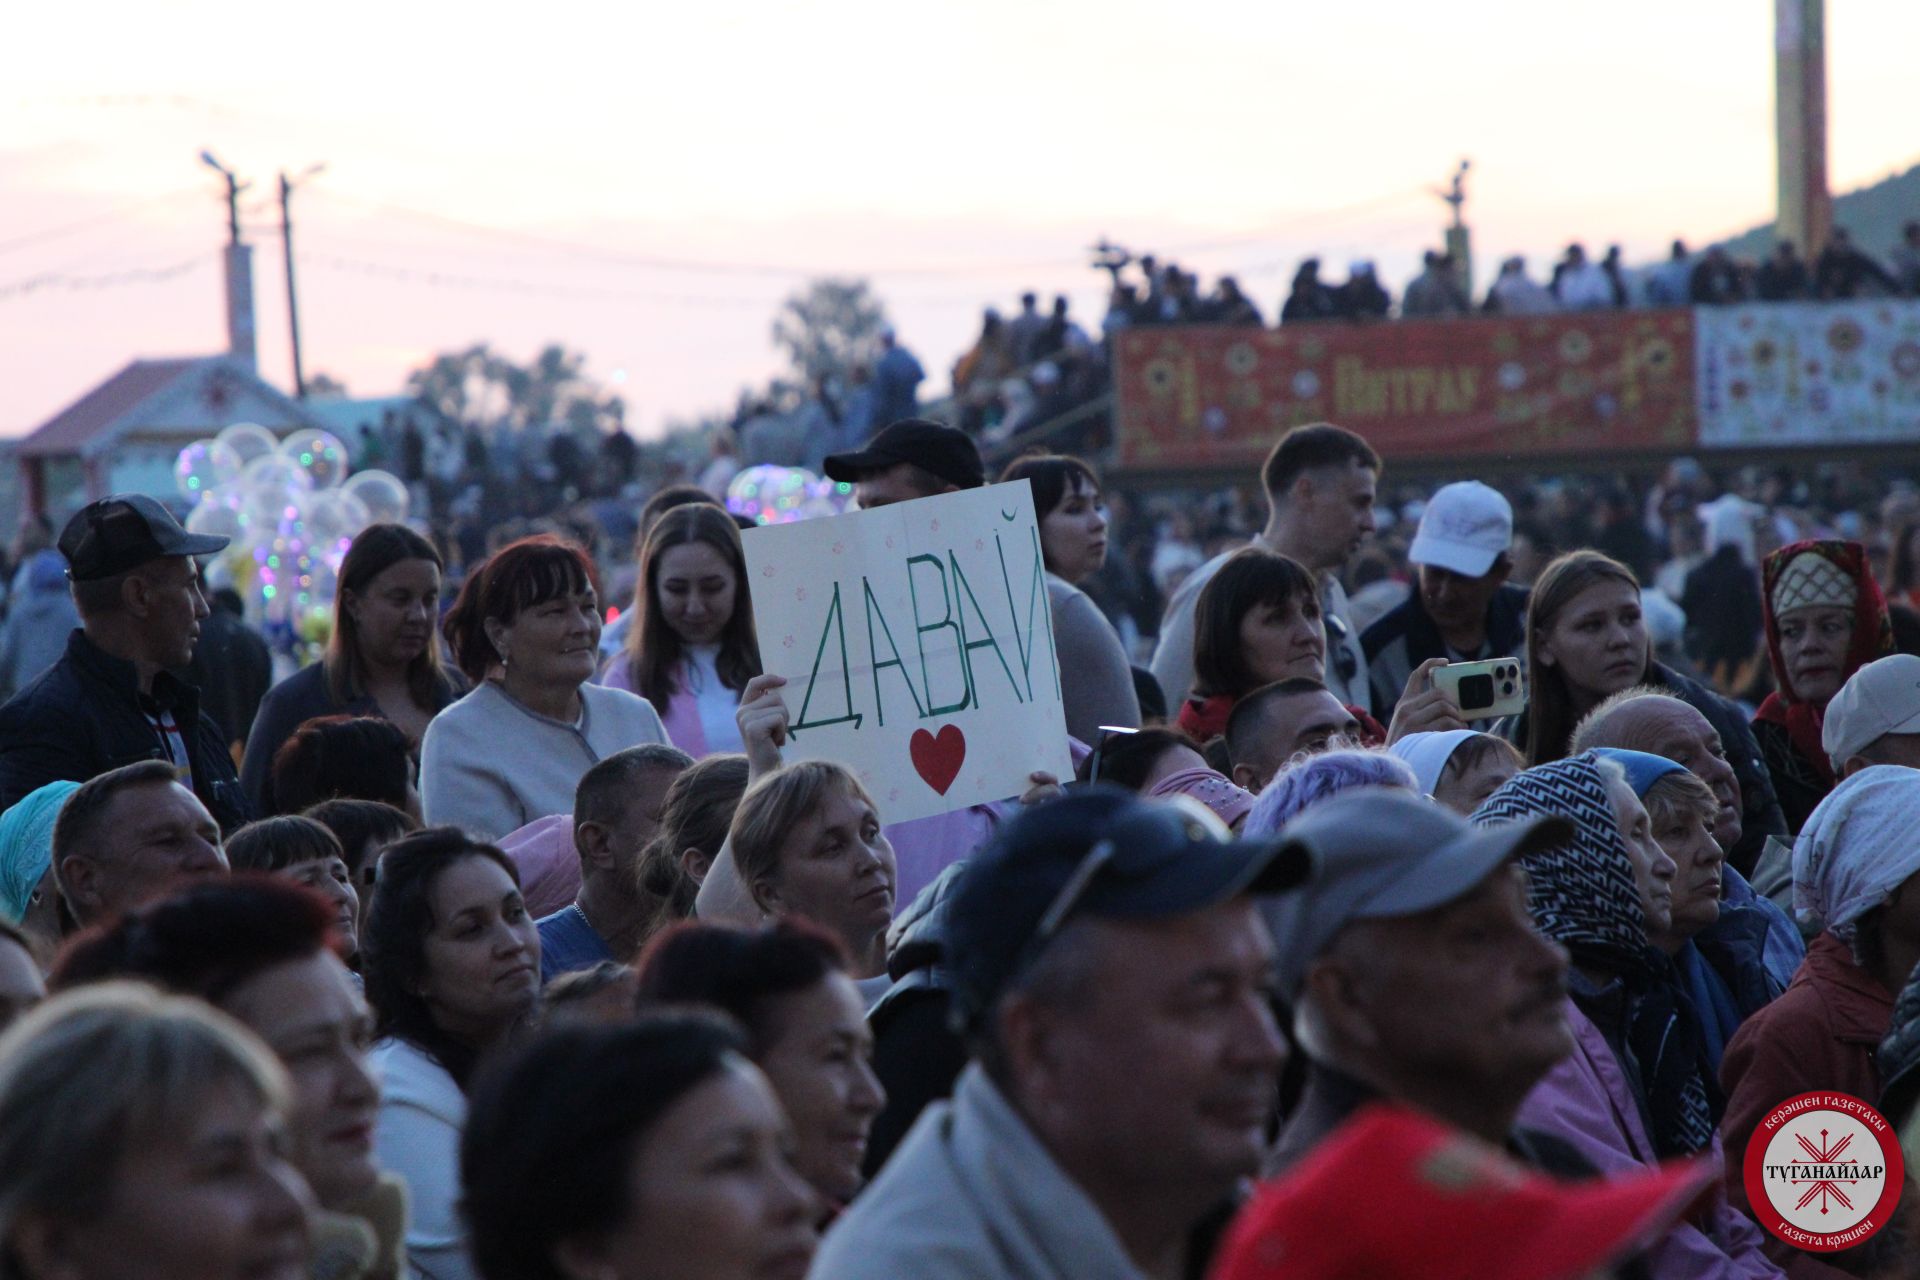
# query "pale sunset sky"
(645, 182)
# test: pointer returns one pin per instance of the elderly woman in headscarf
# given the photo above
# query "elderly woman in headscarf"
(1825, 619)
(1856, 880)
(1635, 1090)
(1719, 940)
(28, 897)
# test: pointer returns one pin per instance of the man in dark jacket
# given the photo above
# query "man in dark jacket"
(1397, 882)
(1461, 608)
(112, 699)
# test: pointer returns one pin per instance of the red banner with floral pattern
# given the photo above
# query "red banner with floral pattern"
(1474, 387)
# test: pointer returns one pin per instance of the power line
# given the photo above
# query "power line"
(96, 220)
(47, 280)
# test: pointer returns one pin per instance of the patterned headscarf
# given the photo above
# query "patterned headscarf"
(26, 845)
(1804, 575)
(1586, 897)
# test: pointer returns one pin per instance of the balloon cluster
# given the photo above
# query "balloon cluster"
(290, 511)
(782, 495)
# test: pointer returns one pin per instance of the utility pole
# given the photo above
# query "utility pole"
(1459, 238)
(239, 272)
(286, 245)
(1804, 214)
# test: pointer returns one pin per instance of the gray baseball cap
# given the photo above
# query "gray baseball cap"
(1380, 853)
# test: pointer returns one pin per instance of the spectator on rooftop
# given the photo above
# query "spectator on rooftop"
(1362, 297)
(1581, 284)
(1716, 280)
(1847, 271)
(1310, 299)
(897, 376)
(1022, 332)
(1906, 260)
(1616, 276)
(1671, 283)
(1515, 293)
(1435, 291)
(1783, 277)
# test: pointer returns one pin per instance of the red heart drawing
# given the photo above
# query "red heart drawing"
(938, 759)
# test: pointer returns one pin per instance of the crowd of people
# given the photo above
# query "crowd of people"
(504, 941)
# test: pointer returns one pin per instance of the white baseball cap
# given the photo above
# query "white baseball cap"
(1465, 528)
(1882, 697)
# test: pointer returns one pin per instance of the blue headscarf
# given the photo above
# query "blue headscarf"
(26, 845)
(1642, 768)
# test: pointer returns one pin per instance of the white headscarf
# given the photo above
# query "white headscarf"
(1857, 848)
(1428, 754)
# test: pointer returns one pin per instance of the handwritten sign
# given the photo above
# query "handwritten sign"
(917, 644)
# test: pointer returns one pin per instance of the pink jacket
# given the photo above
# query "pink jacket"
(681, 716)
(1587, 1101)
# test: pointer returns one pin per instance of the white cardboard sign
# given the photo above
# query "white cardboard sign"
(917, 644)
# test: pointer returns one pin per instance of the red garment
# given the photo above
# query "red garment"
(1872, 638)
(1820, 1034)
(1204, 719)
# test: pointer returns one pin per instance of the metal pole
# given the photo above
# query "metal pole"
(293, 306)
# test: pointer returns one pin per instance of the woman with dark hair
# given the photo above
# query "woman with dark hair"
(526, 631)
(1586, 641)
(1257, 621)
(1096, 681)
(307, 853)
(381, 660)
(806, 1028)
(140, 1135)
(345, 758)
(363, 828)
(1636, 1089)
(1825, 619)
(264, 952)
(692, 649)
(648, 1151)
(452, 964)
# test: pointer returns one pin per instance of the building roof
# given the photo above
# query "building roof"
(192, 393)
(69, 430)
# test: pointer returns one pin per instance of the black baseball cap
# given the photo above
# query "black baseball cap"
(947, 452)
(1101, 852)
(123, 532)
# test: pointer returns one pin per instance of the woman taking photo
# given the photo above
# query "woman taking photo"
(1825, 619)
(525, 630)
(650, 1150)
(452, 964)
(1586, 641)
(806, 1028)
(263, 951)
(1096, 681)
(114, 1103)
(806, 842)
(381, 660)
(1257, 621)
(692, 649)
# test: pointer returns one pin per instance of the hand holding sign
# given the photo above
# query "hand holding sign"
(762, 717)
(917, 643)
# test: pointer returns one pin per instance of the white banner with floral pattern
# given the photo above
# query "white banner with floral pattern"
(1808, 373)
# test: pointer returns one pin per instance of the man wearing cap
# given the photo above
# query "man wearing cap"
(1875, 718)
(1113, 976)
(1415, 973)
(112, 699)
(908, 459)
(1461, 609)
